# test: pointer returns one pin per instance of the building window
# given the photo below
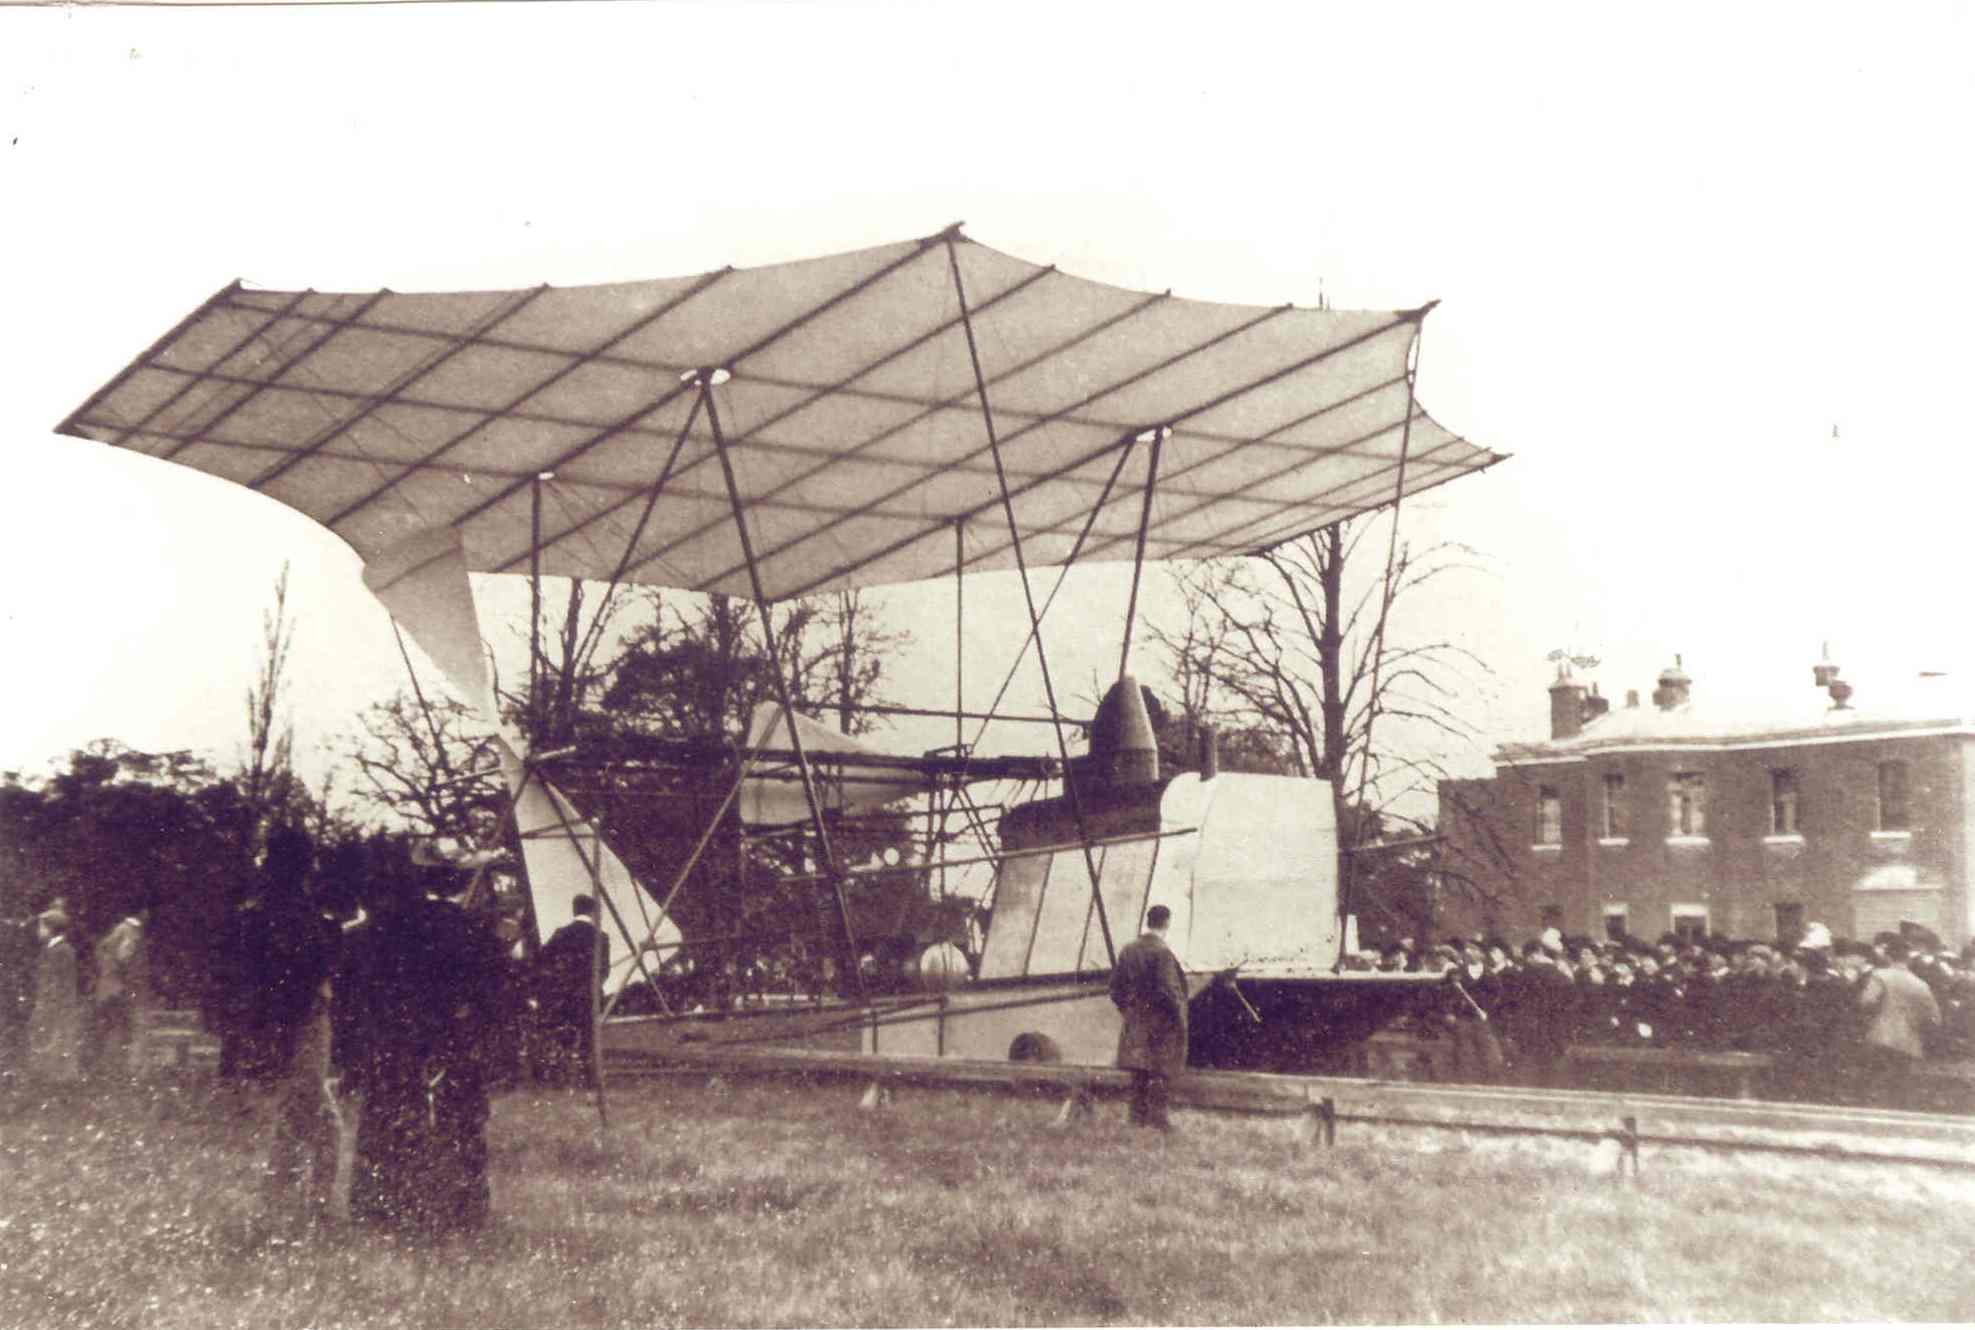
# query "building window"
(1687, 804)
(1789, 923)
(1782, 803)
(1553, 916)
(1549, 816)
(1892, 797)
(1690, 922)
(1615, 922)
(1614, 809)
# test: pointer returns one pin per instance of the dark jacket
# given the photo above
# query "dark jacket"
(1149, 988)
(569, 967)
(416, 985)
(1541, 1010)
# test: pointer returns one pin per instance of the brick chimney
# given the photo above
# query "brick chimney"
(1566, 707)
(1595, 705)
(1675, 684)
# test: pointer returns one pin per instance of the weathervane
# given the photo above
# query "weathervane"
(1566, 661)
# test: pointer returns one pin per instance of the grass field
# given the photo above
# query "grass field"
(764, 1203)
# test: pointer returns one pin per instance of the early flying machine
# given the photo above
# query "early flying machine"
(919, 410)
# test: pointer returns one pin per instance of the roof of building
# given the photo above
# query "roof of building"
(1937, 704)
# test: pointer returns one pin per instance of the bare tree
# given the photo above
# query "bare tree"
(1310, 642)
(855, 647)
(269, 788)
(425, 762)
(566, 671)
(1284, 640)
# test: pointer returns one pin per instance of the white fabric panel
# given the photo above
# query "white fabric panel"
(1126, 870)
(1255, 885)
(1018, 886)
(423, 583)
(1184, 804)
(566, 858)
(456, 400)
(778, 802)
(1265, 876)
(1064, 915)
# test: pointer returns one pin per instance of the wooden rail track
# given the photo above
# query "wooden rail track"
(1329, 1102)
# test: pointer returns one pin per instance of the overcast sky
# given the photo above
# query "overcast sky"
(1704, 271)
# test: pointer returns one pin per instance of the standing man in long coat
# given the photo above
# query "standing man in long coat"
(1149, 988)
(420, 985)
(1902, 1018)
(122, 990)
(55, 1028)
(571, 965)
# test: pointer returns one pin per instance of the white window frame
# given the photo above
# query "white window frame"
(1697, 809)
(1611, 811)
(1689, 910)
(1781, 798)
(1616, 910)
(1549, 798)
(1880, 831)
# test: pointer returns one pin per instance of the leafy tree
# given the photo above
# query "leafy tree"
(121, 830)
(697, 670)
(700, 666)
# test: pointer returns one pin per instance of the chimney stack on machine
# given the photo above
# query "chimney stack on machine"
(1123, 749)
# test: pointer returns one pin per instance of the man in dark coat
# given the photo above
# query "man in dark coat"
(570, 972)
(1543, 1011)
(1149, 989)
(277, 951)
(1469, 996)
(420, 984)
(1823, 1022)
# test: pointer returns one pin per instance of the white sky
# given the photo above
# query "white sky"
(1675, 246)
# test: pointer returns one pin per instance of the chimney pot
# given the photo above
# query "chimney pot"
(1632, 698)
(1675, 687)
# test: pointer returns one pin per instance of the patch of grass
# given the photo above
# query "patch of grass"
(762, 1203)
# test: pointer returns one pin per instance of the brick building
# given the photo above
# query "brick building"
(1674, 817)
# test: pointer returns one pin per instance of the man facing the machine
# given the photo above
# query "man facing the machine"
(1149, 988)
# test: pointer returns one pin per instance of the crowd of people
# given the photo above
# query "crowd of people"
(1854, 1016)
(358, 985)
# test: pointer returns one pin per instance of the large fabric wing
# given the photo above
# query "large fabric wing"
(849, 407)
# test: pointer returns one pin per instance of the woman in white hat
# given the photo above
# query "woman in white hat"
(55, 1030)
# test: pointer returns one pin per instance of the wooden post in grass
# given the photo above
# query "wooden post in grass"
(876, 1095)
(1628, 1140)
(1318, 1121)
(1076, 1108)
